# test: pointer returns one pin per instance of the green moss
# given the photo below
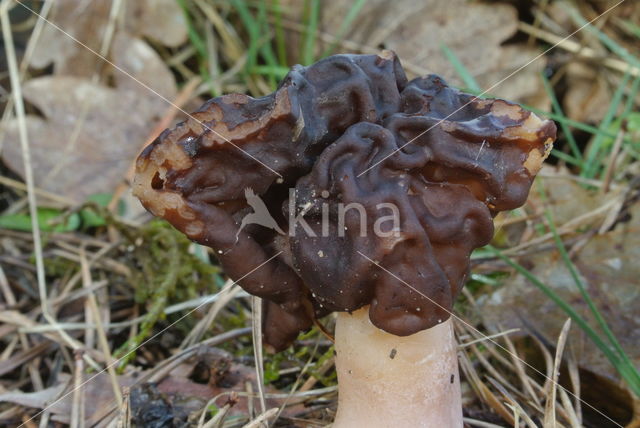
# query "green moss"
(167, 270)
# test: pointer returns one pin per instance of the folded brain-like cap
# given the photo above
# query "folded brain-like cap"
(427, 166)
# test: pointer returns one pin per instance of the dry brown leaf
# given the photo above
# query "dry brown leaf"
(588, 96)
(114, 124)
(160, 20)
(143, 64)
(86, 20)
(39, 399)
(474, 31)
(97, 392)
(90, 133)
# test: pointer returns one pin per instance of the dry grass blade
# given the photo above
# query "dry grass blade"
(162, 369)
(28, 172)
(572, 416)
(496, 404)
(550, 406)
(574, 375)
(43, 193)
(33, 40)
(102, 337)
(229, 292)
(576, 48)
(521, 371)
(480, 424)
(124, 418)
(77, 409)
(262, 419)
(256, 330)
(489, 337)
(514, 405)
(218, 419)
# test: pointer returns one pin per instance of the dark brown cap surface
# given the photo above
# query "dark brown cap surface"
(347, 130)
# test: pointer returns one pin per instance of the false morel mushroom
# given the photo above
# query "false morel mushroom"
(355, 191)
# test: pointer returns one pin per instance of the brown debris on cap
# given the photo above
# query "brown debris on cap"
(348, 129)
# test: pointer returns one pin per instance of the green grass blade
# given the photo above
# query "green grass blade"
(312, 9)
(634, 374)
(276, 71)
(626, 114)
(265, 41)
(606, 40)
(565, 157)
(344, 26)
(577, 154)
(199, 44)
(632, 28)
(625, 372)
(631, 98)
(562, 304)
(573, 123)
(591, 165)
(194, 36)
(463, 72)
(259, 37)
(252, 29)
(281, 46)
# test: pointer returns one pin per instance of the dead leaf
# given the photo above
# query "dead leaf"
(37, 400)
(160, 20)
(608, 265)
(474, 31)
(142, 65)
(84, 20)
(186, 381)
(97, 391)
(87, 21)
(588, 96)
(90, 133)
(113, 125)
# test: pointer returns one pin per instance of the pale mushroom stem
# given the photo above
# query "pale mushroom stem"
(390, 381)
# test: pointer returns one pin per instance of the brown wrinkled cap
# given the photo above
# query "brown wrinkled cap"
(348, 129)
